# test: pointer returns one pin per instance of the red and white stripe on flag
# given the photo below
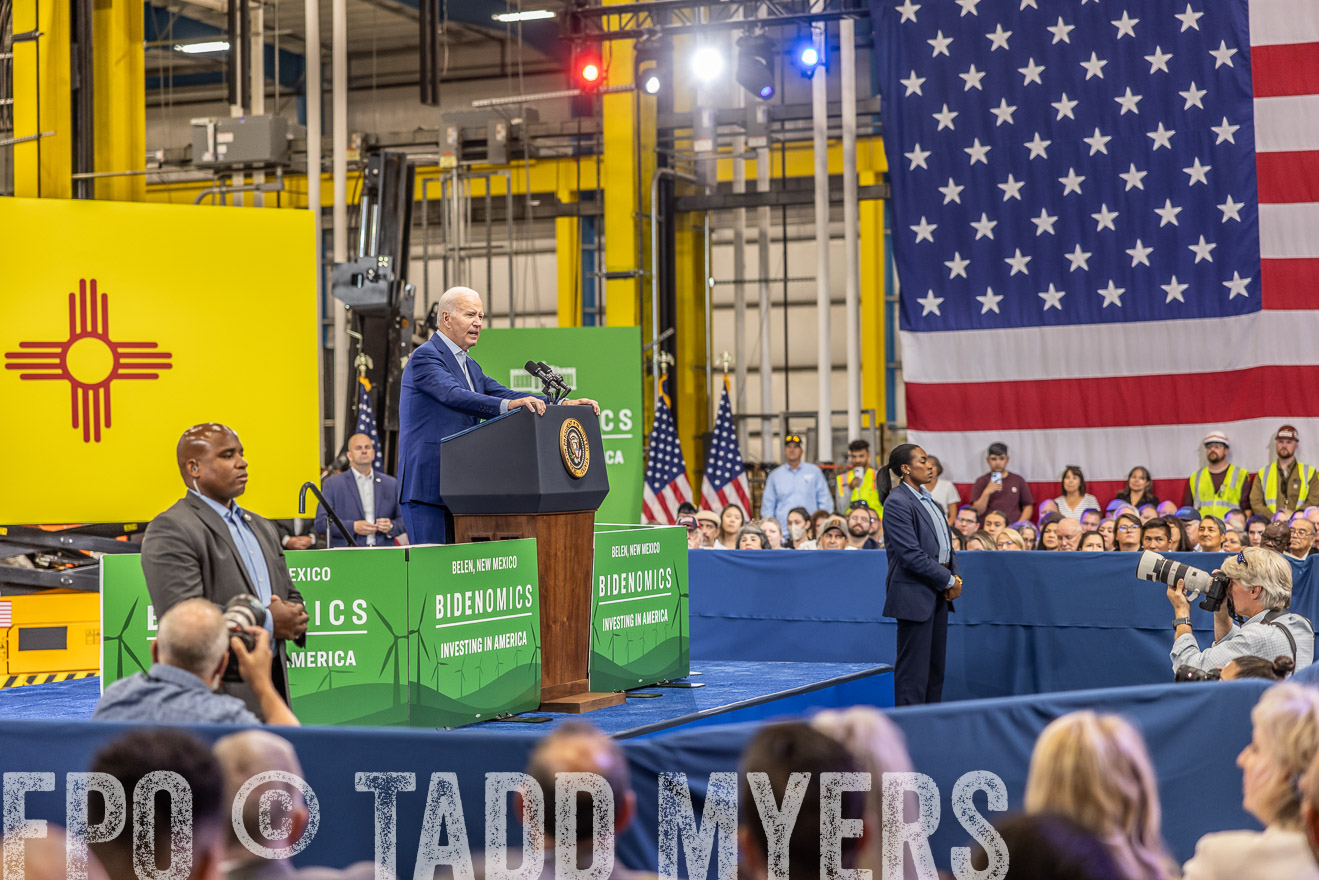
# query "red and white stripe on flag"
(1147, 394)
(738, 492)
(663, 508)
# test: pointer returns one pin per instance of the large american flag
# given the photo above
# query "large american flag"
(725, 480)
(366, 420)
(666, 484)
(1106, 227)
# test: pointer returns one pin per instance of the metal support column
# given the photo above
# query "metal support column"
(824, 366)
(622, 193)
(568, 249)
(43, 162)
(257, 86)
(339, 89)
(119, 99)
(739, 279)
(766, 363)
(874, 313)
(851, 255)
(312, 80)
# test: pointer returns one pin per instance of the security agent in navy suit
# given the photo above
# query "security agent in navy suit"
(346, 492)
(444, 392)
(923, 576)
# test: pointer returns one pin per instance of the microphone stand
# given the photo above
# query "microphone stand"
(329, 511)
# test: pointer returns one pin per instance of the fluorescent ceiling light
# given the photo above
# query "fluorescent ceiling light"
(529, 15)
(201, 48)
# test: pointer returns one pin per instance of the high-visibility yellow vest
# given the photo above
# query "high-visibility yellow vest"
(1269, 476)
(1211, 503)
(866, 492)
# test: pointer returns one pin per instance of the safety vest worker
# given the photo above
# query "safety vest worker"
(867, 491)
(1228, 496)
(1297, 491)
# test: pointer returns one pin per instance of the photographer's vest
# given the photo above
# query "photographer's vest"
(1228, 496)
(867, 491)
(1269, 478)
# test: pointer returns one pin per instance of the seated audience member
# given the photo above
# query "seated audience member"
(1001, 490)
(1282, 516)
(1072, 499)
(1090, 520)
(1049, 532)
(751, 538)
(147, 750)
(687, 508)
(877, 528)
(1028, 532)
(1178, 541)
(188, 658)
(1190, 519)
(1010, 539)
(942, 491)
(1047, 506)
(1092, 542)
(242, 756)
(981, 540)
(1257, 667)
(780, 751)
(878, 746)
(709, 521)
(858, 528)
(1156, 535)
(959, 540)
(695, 540)
(833, 534)
(1235, 520)
(731, 518)
(1095, 770)
(1106, 531)
(800, 529)
(819, 518)
(1046, 847)
(1277, 537)
(966, 521)
(1147, 512)
(1211, 534)
(1235, 542)
(1166, 508)
(1285, 724)
(45, 858)
(1255, 528)
(1139, 489)
(1302, 537)
(773, 532)
(1260, 591)
(995, 522)
(1069, 534)
(1126, 532)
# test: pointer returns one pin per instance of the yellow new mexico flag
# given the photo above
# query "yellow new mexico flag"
(123, 324)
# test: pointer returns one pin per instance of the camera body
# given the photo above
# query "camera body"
(1191, 673)
(241, 612)
(1155, 567)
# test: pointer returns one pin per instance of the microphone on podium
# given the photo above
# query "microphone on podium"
(552, 383)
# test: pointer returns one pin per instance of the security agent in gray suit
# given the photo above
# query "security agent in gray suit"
(206, 545)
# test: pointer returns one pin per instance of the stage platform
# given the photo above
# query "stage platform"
(729, 691)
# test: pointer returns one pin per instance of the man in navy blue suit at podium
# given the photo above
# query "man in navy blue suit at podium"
(444, 392)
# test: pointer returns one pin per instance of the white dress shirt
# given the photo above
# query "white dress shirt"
(366, 490)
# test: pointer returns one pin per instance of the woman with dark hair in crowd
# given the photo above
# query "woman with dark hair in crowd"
(923, 575)
(731, 518)
(1092, 541)
(1147, 512)
(1126, 533)
(799, 529)
(1074, 500)
(1257, 667)
(1029, 534)
(959, 541)
(1255, 527)
(1178, 541)
(1049, 532)
(752, 538)
(1139, 489)
(1106, 531)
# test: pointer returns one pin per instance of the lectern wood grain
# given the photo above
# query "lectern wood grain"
(564, 549)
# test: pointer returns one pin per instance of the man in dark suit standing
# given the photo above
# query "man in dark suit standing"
(364, 497)
(444, 392)
(923, 576)
(206, 545)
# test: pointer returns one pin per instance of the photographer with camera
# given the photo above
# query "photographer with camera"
(189, 657)
(1257, 594)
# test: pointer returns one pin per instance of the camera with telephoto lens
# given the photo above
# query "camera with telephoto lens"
(1191, 673)
(241, 612)
(1156, 567)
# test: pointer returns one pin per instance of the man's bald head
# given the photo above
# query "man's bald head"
(244, 755)
(578, 747)
(210, 458)
(196, 440)
(1069, 530)
(361, 452)
(193, 636)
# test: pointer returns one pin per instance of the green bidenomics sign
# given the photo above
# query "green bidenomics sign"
(639, 626)
(602, 363)
(396, 635)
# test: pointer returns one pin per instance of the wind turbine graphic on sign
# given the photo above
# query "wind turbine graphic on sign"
(89, 360)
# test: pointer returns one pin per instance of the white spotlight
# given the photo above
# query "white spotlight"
(202, 48)
(707, 64)
(528, 15)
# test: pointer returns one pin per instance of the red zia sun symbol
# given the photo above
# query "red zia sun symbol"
(89, 360)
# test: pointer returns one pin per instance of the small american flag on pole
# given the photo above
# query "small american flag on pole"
(666, 485)
(366, 420)
(725, 478)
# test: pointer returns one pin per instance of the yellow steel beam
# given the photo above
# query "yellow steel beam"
(692, 403)
(568, 253)
(43, 167)
(119, 98)
(870, 166)
(623, 201)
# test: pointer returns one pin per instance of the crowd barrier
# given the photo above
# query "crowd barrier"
(1026, 623)
(1194, 733)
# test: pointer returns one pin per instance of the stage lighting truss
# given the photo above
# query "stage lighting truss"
(755, 65)
(652, 65)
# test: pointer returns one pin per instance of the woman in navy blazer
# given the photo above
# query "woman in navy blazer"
(923, 575)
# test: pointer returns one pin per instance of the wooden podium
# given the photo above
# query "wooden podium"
(526, 476)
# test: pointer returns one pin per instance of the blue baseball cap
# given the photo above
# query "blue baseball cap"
(1187, 513)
